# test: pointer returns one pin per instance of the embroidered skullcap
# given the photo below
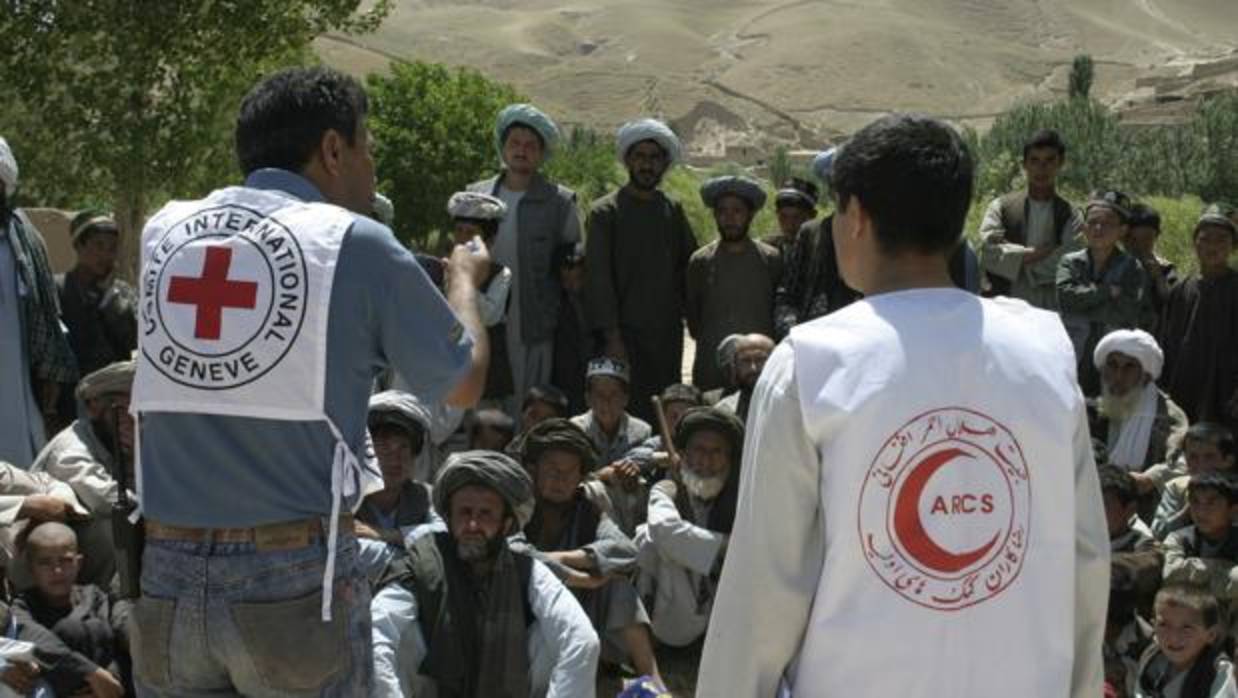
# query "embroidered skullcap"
(384, 210)
(489, 469)
(531, 117)
(476, 206)
(557, 434)
(1115, 201)
(745, 188)
(642, 130)
(606, 366)
(8, 167)
(797, 192)
(710, 419)
(113, 379)
(402, 409)
(823, 164)
(1137, 344)
(1219, 215)
(89, 220)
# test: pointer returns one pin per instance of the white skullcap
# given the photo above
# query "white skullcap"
(1136, 344)
(640, 130)
(8, 167)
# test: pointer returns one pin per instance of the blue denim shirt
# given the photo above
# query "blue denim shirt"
(221, 471)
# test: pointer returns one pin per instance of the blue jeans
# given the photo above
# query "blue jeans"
(223, 619)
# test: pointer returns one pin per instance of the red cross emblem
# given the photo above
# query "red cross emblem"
(212, 292)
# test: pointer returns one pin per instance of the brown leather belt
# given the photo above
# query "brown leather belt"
(286, 535)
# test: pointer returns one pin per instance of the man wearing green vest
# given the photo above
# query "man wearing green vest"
(1025, 233)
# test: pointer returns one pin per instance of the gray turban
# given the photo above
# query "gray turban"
(725, 355)
(401, 409)
(475, 205)
(711, 419)
(744, 187)
(559, 434)
(530, 116)
(8, 167)
(488, 469)
(113, 379)
(640, 130)
(384, 210)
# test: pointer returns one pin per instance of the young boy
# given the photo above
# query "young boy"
(491, 430)
(83, 617)
(1140, 242)
(1207, 447)
(1186, 661)
(1100, 288)
(614, 432)
(1205, 552)
(574, 342)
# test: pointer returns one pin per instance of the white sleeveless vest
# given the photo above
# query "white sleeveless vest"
(235, 296)
(948, 499)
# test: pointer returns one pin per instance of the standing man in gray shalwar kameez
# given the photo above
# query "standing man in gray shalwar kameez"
(541, 218)
(1025, 233)
(35, 359)
(573, 533)
(637, 254)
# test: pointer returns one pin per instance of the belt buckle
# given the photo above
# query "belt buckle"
(292, 535)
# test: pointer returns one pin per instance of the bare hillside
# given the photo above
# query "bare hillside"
(793, 71)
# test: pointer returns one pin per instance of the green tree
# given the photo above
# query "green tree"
(434, 131)
(1082, 72)
(585, 162)
(134, 99)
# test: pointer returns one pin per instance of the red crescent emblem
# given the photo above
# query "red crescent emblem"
(910, 529)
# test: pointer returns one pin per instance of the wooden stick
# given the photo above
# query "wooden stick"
(664, 428)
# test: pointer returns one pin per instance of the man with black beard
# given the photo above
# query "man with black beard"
(1141, 426)
(636, 261)
(751, 353)
(35, 358)
(85, 456)
(683, 545)
(731, 281)
(469, 614)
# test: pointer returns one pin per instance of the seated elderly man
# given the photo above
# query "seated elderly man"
(690, 516)
(1142, 428)
(469, 615)
(398, 424)
(86, 455)
(751, 353)
(572, 532)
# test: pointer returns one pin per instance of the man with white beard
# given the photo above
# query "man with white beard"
(1142, 428)
(690, 516)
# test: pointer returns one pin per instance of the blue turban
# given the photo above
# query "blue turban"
(823, 164)
(640, 130)
(530, 116)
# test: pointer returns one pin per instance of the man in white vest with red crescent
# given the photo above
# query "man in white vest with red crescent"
(920, 514)
(266, 312)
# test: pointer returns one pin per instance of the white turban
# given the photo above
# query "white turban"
(8, 167)
(1136, 344)
(634, 132)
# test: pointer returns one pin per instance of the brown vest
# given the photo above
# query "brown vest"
(1014, 208)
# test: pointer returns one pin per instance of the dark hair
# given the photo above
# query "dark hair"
(1213, 433)
(1119, 482)
(1144, 216)
(679, 392)
(913, 174)
(1045, 138)
(1196, 598)
(548, 394)
(494, 419)
(1221, 483)
(520, 124)
(84, 217)
(283, 118)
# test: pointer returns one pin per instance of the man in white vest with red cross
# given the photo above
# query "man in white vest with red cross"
(266, 312)
(920, 514)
